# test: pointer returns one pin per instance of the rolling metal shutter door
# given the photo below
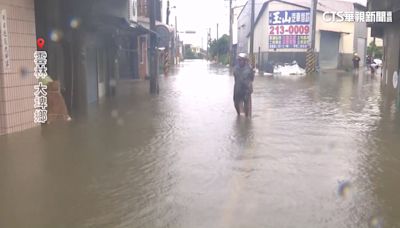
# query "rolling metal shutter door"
(329, 50)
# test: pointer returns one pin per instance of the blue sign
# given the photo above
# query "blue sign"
(289, 29)
(290, 17)
(281, 42)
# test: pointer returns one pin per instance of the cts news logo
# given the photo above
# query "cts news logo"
(369, 16)
(333, 16)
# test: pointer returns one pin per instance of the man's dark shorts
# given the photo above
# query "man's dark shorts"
(241, 93)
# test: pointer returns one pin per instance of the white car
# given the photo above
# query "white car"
(377, 62)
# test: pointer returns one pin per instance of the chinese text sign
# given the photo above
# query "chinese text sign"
(289, 29)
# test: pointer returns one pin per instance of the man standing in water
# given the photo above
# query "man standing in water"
(244, 77)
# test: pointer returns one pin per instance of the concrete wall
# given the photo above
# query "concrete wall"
(345, 60)
(281, 57)
(16, 88)
(360, 35)
(391, 45)
(243, 29)
(391, 59)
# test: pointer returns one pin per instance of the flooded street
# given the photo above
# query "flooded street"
(320, 151)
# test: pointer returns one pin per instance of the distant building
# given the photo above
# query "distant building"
(144, 39)
(196, 50)
(280, 39)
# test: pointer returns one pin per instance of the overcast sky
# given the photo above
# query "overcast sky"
(200, 15)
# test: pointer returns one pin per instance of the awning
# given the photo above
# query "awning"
(141, 28)
(326, 30)
(105, 22)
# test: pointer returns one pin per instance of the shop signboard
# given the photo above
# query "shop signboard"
(289, 29)
(5, 46)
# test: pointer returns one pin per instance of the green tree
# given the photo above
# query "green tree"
(375, 51)
(219, 49)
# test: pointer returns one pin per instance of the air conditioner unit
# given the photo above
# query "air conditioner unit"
(132, 10)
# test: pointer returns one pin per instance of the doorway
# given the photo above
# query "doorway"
(92, 75)
(101, 69)
(329, 50)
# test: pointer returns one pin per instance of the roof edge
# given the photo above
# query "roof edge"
(241, 11)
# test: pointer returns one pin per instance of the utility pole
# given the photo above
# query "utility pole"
(217, 31)
(208, 43)
(168, 13)
(230, 32)
(154, 89)
(311, 60)
(176, 40)
(217, 42)
(252, 33)
(314, 23)
(373, 49)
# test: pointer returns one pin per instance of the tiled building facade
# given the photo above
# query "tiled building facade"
(17, 81)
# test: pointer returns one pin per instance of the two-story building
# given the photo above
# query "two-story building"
(91, 45)
(144, 40)
(282, 33)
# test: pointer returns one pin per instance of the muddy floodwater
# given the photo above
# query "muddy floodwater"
(320, 151)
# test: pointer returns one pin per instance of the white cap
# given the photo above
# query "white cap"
(242, 56)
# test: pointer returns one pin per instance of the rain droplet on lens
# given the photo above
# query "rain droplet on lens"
(120, 122)
(344, 188)
(114, 113)
(75, 23)
(332, 145)
(376, 222)
(170, 199)
(158, 223)
(56, 35)
(24, 72)
(113, 83)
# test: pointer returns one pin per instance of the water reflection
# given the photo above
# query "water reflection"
(320, 151)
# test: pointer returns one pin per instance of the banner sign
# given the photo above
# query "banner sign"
(5, 46)
(289, 29)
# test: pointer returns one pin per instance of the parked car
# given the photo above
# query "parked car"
(375, 65)
(377, 62)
